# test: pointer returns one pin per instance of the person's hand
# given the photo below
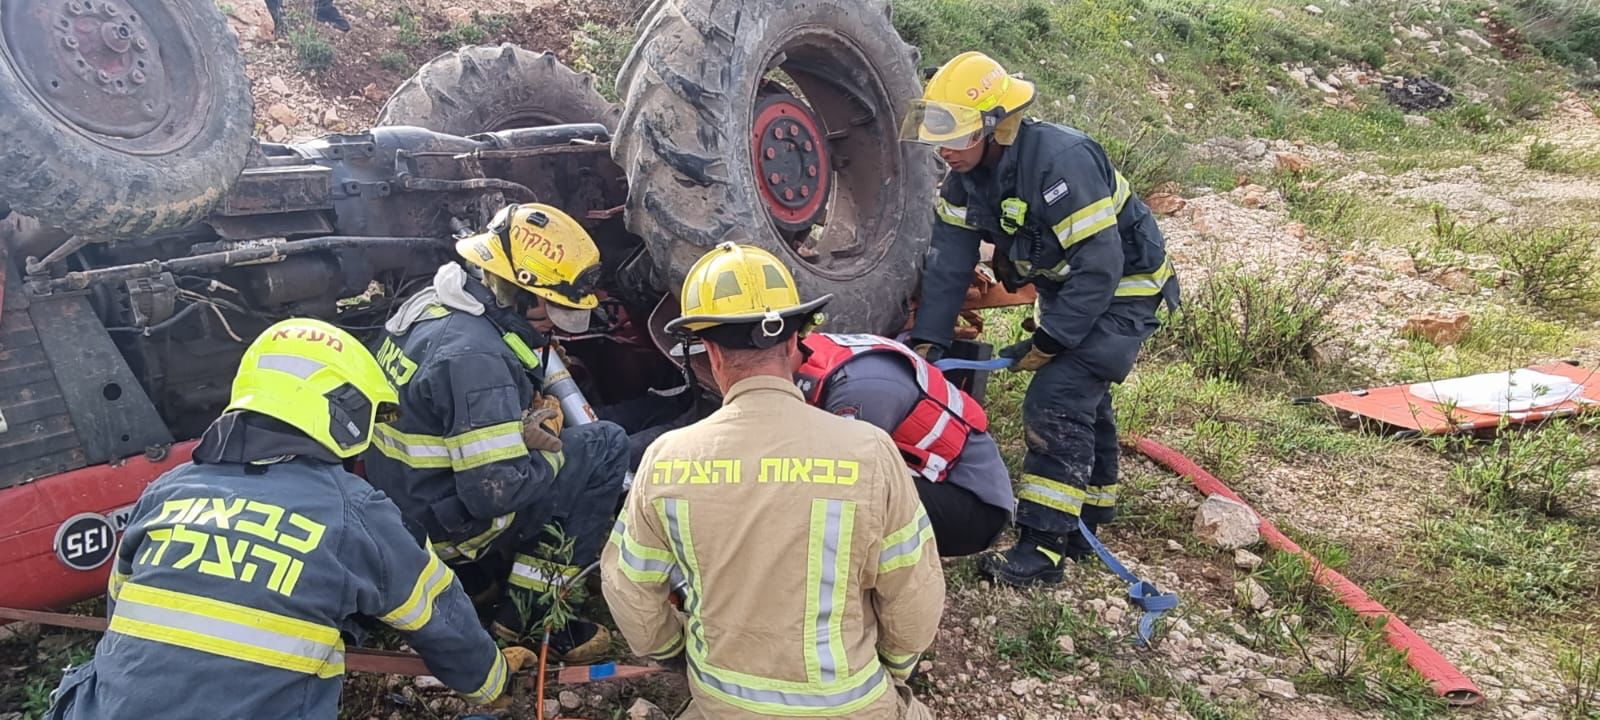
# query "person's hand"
(927, 350)
(534, 434)
(1026, 356)
(517, 658)
(557, 419)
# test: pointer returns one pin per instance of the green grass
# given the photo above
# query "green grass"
(312, 51)
(1339, 652)
(600, 49)
(1501, 338)
(394, 60)
(1507, 564)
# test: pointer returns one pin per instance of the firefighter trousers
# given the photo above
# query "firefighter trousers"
(582, 508)
(1070, 468)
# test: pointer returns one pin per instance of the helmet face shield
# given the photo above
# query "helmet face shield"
(942, 124)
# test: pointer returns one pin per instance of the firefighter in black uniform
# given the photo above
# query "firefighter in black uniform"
(1063, 219)
(480, 459)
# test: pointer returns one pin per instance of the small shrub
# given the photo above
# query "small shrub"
(409, 29)
(1542, 156)
(1035, 650)
(1526, 97)
(1579, 668)
(313, 52)
(394, 60)
(463, 35)
(1552, 268)
(1239, 321)
(1539, 469)
(600, 50)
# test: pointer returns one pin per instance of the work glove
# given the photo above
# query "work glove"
(558, 419)
(517, 658)
(1026, 356)
(535, 434)
(928, 350)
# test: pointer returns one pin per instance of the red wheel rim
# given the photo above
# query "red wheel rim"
(790, 156)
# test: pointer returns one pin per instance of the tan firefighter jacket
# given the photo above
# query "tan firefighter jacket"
(807, 568)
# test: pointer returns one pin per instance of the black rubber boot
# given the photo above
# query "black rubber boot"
(1078, 547)
(1034, 560)
(329, 14)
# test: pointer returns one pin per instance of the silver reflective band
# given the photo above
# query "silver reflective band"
(908, 545)
(830, 561)
(789, 698)
(478, 447)
(311, 650)
(295, 365)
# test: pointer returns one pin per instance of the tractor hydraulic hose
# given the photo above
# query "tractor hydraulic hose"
(1450, 683)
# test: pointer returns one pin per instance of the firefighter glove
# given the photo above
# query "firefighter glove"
(534, 433)
(517, 658)
(558, 419)
(928, 350)
(1026, 356)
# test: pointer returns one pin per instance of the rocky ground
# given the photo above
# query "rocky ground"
(1248, 640)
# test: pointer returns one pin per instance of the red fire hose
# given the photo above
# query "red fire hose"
(1449, 682)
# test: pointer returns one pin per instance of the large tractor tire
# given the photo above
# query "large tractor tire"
(119, 118)
(774, 123)
(484, 88)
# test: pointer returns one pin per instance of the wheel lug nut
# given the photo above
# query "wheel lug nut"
(70, 41)
(805, 191)
(788, 194)
(73, 8)
(771, 153)
(137, 77)
(104, 76)
(777, 132)
(139, 42)
(809, 146)
(811, 171)
(774, 179)
(794, 131)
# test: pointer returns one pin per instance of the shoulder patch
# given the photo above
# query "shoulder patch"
(1055, 192)
(847, 411)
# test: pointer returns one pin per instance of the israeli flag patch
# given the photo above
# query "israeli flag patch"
(1055, 192)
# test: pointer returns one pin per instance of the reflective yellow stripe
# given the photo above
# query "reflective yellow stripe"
(827, 576)
(1101, 495)
(416, 451)
(1053, 556)
(539, 574)
(229, 630)
(752, 693)
(114, 583)
(470, 547)
(417, 609)
(671, 648)
(493, 684)
(1094, 217)
(952, 214)
(1051, 494)
(1147, 284)
(486, 445)
(639, 562)
(556, 460)
(899, 666)
(903, 547)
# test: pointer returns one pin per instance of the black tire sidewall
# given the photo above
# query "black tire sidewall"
(65, 178)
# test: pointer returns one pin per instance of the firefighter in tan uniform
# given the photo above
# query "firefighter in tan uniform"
(792, 539)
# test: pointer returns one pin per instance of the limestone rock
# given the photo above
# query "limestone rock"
(1165, 203)
(1273, 688)
(643, 709)
(277, 133)
(570, 700)
(1313, 10)
(281, 113)
(1457, 280)
(457, 16)
(251, 21)
(1439, 328)
(1292, 162)
(331, 119)
(1296, 230)
(1246, 560)
(1066, 645)
(374, 94)
(277, 85)
(1226, 524)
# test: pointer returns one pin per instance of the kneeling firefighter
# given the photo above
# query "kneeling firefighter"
(479, 459)
(260, 556)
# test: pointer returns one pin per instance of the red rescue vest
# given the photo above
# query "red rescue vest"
(933, 435)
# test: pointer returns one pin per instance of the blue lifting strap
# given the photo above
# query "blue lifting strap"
(1142, 594)
(948, 364)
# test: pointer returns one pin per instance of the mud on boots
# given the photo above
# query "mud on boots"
(1065, 221)
(480, 459)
